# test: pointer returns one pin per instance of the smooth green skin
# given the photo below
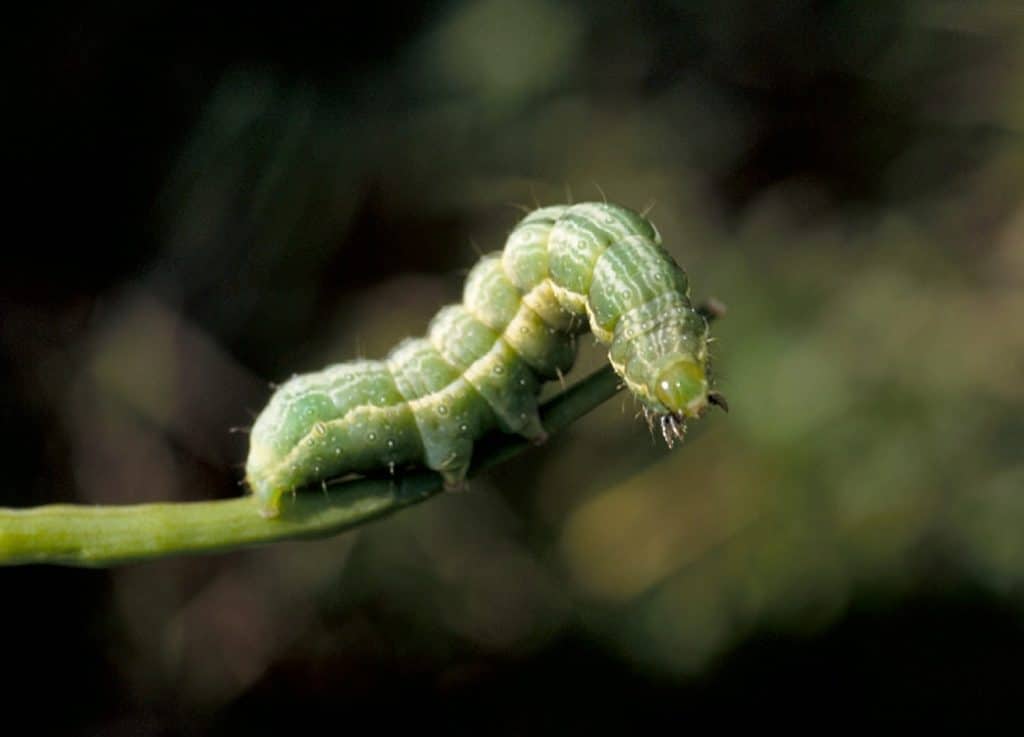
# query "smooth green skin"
(482, 363)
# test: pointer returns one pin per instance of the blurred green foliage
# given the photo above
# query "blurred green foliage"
(846, 177)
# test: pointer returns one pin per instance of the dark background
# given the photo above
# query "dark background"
(201, 203)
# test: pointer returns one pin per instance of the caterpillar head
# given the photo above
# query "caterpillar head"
(682, 387)
(683, 391)
(666, 365)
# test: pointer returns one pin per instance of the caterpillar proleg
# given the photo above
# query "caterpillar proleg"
(482, 362)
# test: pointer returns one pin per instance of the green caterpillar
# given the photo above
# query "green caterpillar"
(483, 362)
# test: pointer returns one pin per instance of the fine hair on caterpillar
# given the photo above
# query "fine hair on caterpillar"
(482, 363)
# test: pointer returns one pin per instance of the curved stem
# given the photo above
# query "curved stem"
(78, 535)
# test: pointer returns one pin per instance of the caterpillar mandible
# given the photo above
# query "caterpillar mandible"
(482, 362)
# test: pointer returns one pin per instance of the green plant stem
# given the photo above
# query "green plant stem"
(96, 536)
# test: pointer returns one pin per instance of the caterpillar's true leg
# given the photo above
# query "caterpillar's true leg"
(455, 478)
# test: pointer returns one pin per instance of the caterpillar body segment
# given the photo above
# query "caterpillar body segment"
(483, 362)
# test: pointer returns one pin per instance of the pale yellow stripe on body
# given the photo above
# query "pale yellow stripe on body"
(297, 453)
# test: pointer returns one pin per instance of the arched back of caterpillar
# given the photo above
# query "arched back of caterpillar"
(483, 361)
